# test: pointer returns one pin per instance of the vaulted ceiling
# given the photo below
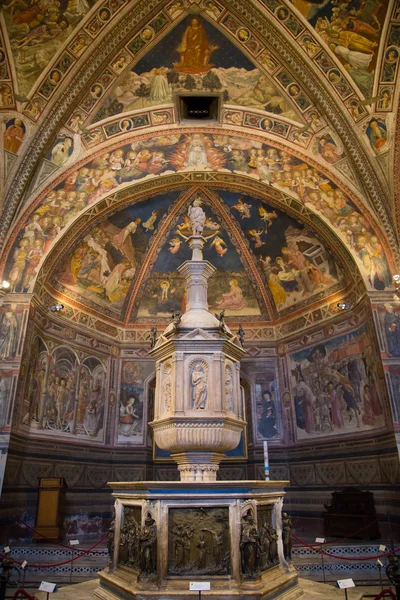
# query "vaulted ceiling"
(93, 139)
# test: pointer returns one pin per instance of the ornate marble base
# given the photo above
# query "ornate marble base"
(167, 534)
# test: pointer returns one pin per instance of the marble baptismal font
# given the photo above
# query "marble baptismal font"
(165, 535)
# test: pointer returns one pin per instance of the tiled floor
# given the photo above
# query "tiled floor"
(312, 591)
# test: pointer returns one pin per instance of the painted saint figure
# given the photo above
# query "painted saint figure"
(159, 90)
(194, 50)
(14, 135)
(200, 390)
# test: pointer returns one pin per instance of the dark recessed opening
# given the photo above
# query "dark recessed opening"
(199, 107)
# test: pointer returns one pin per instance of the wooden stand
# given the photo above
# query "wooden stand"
(350, 510)
(50, 509)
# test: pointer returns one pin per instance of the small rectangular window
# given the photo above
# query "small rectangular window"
(198, 108)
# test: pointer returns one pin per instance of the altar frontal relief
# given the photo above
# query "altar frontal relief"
(335, 387)
(198, 541)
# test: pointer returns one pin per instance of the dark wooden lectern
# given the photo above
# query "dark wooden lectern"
(50, 509)
(350, 510)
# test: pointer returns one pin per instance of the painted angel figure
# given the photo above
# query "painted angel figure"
(219, 244)
(267, 216)
(256, 235)
(197, 217)
(243, 208)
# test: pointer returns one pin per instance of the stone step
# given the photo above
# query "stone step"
(318, 591)
(311, 591)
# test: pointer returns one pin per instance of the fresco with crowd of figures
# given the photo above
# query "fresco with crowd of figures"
(187, 152)
(37, 30)
(336, 388)
(54, 382)
(352, 30)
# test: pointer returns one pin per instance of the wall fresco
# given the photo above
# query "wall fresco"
(265, 407)
(13, 135)
(229, 288)
(189, 152)
(101, 268)
(132, 408)
(335, 387)
(394, 386)
(5, 398)
(195, 56)
(64, 397)
(377, 134)
(352, 31)
(37, 30)
(61, 151)
(10, 331)
(389, 321)
(295, 266)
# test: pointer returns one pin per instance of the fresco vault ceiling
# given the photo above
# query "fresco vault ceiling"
(92, 138)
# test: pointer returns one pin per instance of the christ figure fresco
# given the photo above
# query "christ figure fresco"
(194, 50)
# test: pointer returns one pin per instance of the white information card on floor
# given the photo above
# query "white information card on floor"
(199, 586)
(346, 583)
(46, 586)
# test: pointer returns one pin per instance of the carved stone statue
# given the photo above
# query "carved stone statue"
(221, 316)
(265, 544)
(218, 546)
(228, 389)
(179, 542)
(188, 534)
(202, 553)
(197, 217)
(123, 548)
(152, 336)
(221, 319)
(168, 388)
(273, 548)
(176, 318)
(148, 546)
(110, 540)
(133, 544)
(249, 546)
(129, 540)
(200, 391)
(241, 335)
(287, 529)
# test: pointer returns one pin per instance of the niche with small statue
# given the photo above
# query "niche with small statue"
(138, 543)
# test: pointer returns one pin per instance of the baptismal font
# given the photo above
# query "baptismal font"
(229, 533)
